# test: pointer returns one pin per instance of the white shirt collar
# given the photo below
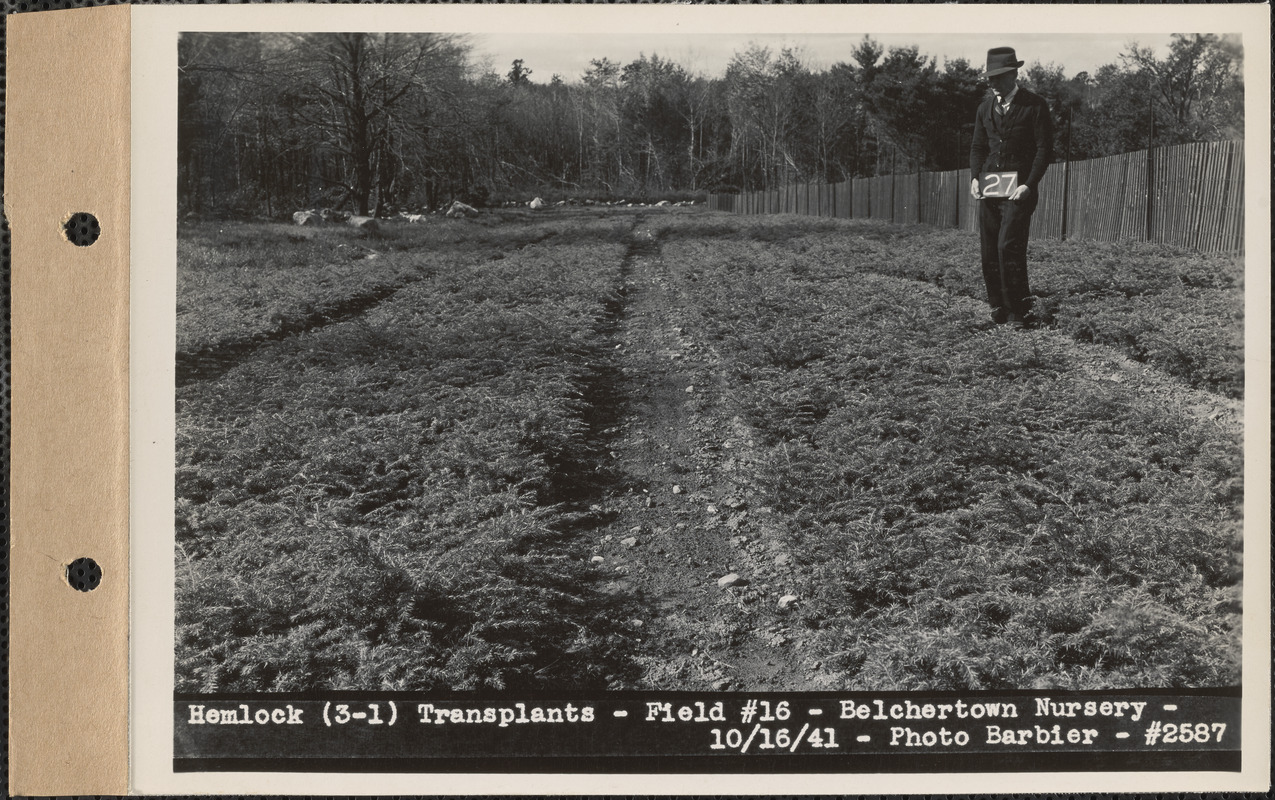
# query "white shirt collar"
(1009, 98)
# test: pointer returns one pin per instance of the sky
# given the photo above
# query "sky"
(568, 55)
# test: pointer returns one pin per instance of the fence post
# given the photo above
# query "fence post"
(1062, 233)
(918, 193)
(1150, 165)
(1150, 192)
(1066, 179)
(893, 178)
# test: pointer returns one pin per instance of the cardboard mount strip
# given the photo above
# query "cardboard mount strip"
(67, 152)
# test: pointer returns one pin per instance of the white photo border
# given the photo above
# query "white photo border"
(152, 375)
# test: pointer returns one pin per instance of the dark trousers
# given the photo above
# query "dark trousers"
(1002, 227)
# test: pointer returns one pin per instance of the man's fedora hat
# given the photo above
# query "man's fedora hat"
(1001, 60)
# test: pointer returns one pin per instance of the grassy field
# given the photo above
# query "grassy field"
(1177, 310)
(976, 508)
(388, 467)
(369, 502)
(240, 283)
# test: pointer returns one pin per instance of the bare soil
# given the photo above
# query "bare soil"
(679, 510)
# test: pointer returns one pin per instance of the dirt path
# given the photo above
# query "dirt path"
(681, 514)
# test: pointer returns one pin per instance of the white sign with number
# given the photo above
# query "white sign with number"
(998, 184)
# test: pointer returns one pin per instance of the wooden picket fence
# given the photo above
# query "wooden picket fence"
(1189, 195)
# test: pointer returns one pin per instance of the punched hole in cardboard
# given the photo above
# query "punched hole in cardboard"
(82, 229)
(83, 574)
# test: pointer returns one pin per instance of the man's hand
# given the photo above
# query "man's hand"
(975, 192)
(1021, 193)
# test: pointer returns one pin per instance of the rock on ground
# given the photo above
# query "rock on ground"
(459, 209)
(732, 579)
(363, 223)
(308, 218)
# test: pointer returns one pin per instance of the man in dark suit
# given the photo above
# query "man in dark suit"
(1013, 133)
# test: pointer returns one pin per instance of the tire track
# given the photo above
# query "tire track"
(210, 363)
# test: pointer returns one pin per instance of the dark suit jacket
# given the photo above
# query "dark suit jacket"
(1021, 141)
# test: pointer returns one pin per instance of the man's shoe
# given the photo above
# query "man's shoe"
(1000, 316)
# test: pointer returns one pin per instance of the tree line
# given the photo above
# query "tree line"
(272, 122)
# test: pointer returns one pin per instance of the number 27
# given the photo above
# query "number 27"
(999, 184)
